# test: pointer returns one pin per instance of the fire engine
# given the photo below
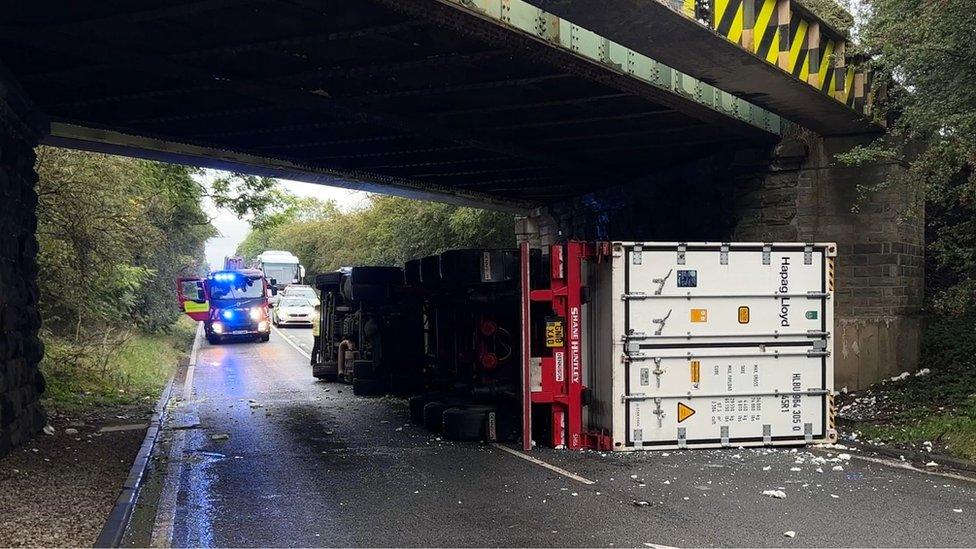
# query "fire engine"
(232, 304)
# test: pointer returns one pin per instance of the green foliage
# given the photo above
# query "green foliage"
(114, 233)
(941, 406)
(924, 47)
(389, 231)
(110, 370)
(831, 13)
(245, 195)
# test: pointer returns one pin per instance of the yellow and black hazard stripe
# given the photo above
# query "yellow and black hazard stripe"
(826, 75)
(765, 31)
(727, 19)
(845, 83)
(831, 416)
(799, 64)
(830, 274)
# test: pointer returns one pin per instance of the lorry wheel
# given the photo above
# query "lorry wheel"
(417, 404)
(368, 387)
(325, 370)
(213, 339)
(466, 423)
(434, 413)
(363, 369)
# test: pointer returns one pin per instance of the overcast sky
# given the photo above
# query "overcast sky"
(233, 230)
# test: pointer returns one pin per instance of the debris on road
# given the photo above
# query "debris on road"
(221, 436)
(641, 503)
(931, 464)
(778, 494)
(48, 429)
(789, 534)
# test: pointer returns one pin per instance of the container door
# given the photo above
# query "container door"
(193, 298)
(727, 344)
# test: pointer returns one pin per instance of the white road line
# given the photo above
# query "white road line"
(292, 343)
(541, 463)
(162, 534)
(909, 467)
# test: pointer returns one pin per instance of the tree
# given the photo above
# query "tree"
(388, 231)
(114, 233)
(924, 49)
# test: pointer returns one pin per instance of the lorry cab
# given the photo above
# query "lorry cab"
(230, 303)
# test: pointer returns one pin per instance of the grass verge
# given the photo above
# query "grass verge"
(938, 407)
(116, 370)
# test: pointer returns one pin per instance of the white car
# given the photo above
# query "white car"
(293, 311)
(301, 290)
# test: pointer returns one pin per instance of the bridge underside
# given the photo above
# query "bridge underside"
(415, 98)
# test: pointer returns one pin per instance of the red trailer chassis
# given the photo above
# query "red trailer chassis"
(561, 364)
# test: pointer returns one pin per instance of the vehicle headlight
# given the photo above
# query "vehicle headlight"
(257, 313)
(218, 328)
(263, 326)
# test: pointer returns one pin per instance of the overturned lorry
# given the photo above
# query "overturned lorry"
(611, 346)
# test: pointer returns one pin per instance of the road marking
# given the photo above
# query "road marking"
(541, 463)
(909, 467)
(292, 343)
(162, 533)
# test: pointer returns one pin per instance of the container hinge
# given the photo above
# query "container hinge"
(659, 412)
(808, 432)
(723, 257)
(767, 434)
(660, 282)
(682, 249)
(808, 254)
(657, 371)
(636, 256)
(725, 435)
(660, 322)
(682, 437)
(767, 253)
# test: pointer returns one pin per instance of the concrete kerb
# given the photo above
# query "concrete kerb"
(118, 519)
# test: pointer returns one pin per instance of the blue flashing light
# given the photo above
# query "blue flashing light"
(227, 314)
(224, 277)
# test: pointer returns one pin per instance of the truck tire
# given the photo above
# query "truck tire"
(213, 339)
(417, 404)
(434, 413)
(363, 369)
(381, 276)
(466, 423)
(265, 338)
(368, 387)
(325, 370)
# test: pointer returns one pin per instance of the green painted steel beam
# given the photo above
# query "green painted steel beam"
(523, 17)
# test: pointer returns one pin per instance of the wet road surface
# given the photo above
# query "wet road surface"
(306, 463)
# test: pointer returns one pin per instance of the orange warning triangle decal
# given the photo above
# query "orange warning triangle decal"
(684, 412)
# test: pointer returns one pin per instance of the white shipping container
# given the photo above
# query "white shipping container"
(710, 345)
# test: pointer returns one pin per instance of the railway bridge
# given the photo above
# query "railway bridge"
(627, 119)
